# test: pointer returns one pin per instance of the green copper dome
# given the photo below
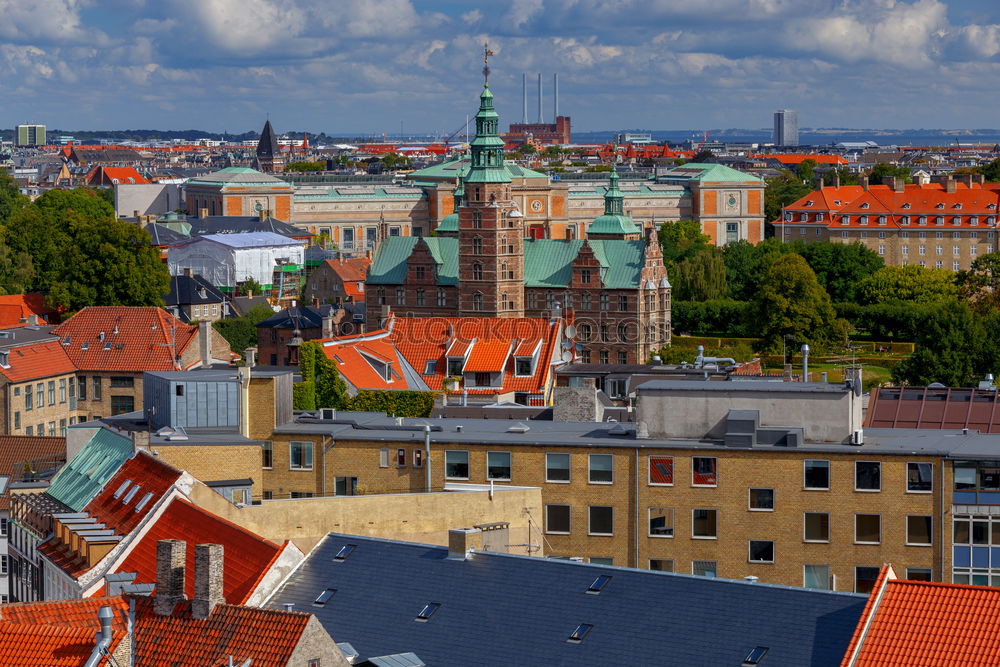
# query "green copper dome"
(487, 148)
(614, 220)
(448, 224)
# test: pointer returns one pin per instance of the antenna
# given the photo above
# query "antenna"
(540, 120)
(555, 98)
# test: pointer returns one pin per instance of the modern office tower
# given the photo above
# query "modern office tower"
(30, 135)
(786, 128)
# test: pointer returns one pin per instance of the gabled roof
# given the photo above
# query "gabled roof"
(116, 176)
(247, 240)
(488, 356)
(56, 634)
(16, 309)
(354, 357)
(136, 338)
(82, 477)
(36, 453)
(389, 265)
(504, 609)
(191, 290)
(304, 317)
(708, 173)
(917, 623)
(351, 269)
(36, 360)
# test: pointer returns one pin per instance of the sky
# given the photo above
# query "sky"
(358, 67)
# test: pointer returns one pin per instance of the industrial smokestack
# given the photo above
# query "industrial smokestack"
(524, 97)
(540, 118)
(555, 97)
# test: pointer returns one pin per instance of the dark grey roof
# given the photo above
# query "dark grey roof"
(242, 304)
(498, 609)
(192, 290)
(243, 224)
(268, 144)
(217, 483)
(15, 336)
(306, 317)
(161, 235)
(735, 384)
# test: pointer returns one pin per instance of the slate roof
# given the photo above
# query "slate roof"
(163, 236)
(503, 609)
(189, 290)
(268, 145)
(82, 478)
(301, 318)
(18, 450)
(244, 224)
(143, 342)
(242, 304)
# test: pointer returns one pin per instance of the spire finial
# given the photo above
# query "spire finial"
(486, 63)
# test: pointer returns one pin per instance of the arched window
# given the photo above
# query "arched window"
(503, 301)
(477, 246)
(477, 301)
(477, 271)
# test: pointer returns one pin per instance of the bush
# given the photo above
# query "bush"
(397, 403)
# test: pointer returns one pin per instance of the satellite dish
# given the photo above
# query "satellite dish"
(570, 331)
(567, 356)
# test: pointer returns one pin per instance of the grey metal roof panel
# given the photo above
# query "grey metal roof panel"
(515, 610)
(396, 660)
(777, 385)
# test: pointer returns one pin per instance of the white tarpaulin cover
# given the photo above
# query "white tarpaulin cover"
(225, 260)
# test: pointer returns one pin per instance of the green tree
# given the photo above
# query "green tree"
(241, 332)
(791, 301)
(681, 239)
(529, 149)
(331, 389)
(840, 267)
(780, 191)
(394, 161)
(305, 165)
(805, 170)
(990, 171)
(980, 285)
(703, 156)
(881, 172)
(250, 287)
(85, 202)
(700, 277)
(907, 283)
(11, 200)
(949, 350)
(847, 177)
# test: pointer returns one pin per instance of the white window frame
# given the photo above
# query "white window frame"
(879, 489)
(829, 476)
(911, 543)
(590, 469)
(649, 465)
(705, 537)
(672, 521)
(569, 511)
(468, 463)
(311, 450)
(510, 466)
(906, 480)
(859, 514)
(750, 560)
(805, 519)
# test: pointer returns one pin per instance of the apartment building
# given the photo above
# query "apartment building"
(37, 383)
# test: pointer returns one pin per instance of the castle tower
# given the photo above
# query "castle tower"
(614, 224)
(269, 158)
(490, 228)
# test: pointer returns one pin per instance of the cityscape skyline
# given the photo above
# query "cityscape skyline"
(366, 67)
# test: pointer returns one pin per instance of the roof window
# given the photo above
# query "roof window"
(940, 205)
(580, 632)
(864, 205)
(809, 203)
(345, 551)
(429, 610)
(599, 584)
(84, 345)
(131, 494)
(121, 489)
(906, 205)
(145, 501)
(430, 367)
(959, 205)
(324, 597)
(755, 655)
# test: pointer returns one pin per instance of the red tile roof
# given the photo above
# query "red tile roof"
(55, 634)
(17, 450)
(352, 359)
(116, 176)
(488, 356)
(143, 341)
(77, 613)
(916, 623)
(15, 309)
(799, 158)
(247, 555)
(37, 360)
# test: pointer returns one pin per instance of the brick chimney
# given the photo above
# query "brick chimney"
(898, 184)
(205, 342)
(950, 185)
(170, 559)
(836, 178)
(864, 183)
(208, 570)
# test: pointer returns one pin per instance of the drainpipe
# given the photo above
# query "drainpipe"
(636, 563)
(326, 448)
(103, 638)
(941, 532)
(427, 455)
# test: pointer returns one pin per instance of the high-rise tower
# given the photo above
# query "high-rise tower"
(490, 228)
(786, 128)
(269, 158)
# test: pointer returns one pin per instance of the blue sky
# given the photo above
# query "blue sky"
(362, 66)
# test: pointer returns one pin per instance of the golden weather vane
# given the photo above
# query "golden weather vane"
(486, 62)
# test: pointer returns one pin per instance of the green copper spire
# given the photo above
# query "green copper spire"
(614, 223)
(487, 148)
(613, 198)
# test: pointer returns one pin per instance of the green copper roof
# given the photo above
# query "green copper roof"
(448, 224)
(548, 262)
(714, 173)
(452, 168)
(613, 224)
(242, 176)
(80, 479)
(389, 265)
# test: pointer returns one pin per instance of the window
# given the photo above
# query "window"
(477, 302)
(817, 527)
(602, 520)
(498, 466)
(585, 276)
(762, 500)
(418, 458)
(867, 528)
(401, 296)
(704, 524)
(52, 392)
(52, 428)
(867, 476)
(62, 390)
(703, 471)
(400, 458)
(918, 573)
(4, 528)
(864, 578)
(345, 486)
(122, 381)
(919, 477)
(300, 455)
(580, 632)
(599, 584)
(816, 576)
(601, 469)
(28, 399)
(761, 551)
(661, 470)
(96, 388)
(755, 655)
(918, 530)
(661, 521)
(122, 404)
(557, 467)
(557, 519)
(29, 430)
(604, 302)
(419, 272)
(383, 457)
(324, 597)
(429, 610)
(40, 395)
(661, 565)
(442, 298)
(704, 568)
(456, 464)
(420, 296)
(817, 474)
(3, 564)
(522, 366)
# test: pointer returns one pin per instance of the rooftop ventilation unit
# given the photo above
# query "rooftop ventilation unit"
(518, 428)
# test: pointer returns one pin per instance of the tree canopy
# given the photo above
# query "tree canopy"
(914, 283)
(681, 239)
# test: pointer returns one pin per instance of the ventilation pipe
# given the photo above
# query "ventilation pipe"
(427, 455)
(805, 362)
(103, 637)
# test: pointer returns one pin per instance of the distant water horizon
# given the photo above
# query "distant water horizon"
(815, 136)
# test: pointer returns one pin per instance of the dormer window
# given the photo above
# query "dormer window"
(957, 206)
(585, 276)
(836, 202)
(922, 220)
(957, 220)
(455, 365)
(804, 217)
(845, 219)
(864, 205)
(939, 220)
(906, 205)
(4, 359)
(863, 220)
(881, 220)
(809, 203)
(940, 205)
(819, 217)
(789, 216)
(524, 366)
(973, 219)
(991, 207)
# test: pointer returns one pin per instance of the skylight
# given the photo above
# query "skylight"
(429, 610)
(131, 494)
(755, 655)
(145, 500)
(599, 584)
(580, 632)
(345, 551)
(324, 597)
(121, 489)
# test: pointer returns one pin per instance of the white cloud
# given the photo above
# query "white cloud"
(45, 21)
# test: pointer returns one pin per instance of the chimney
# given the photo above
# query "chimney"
(135, 214)
(462, 541)
(140, 440)
(202, 213)
(261, 214)
(250, 356)
(103, 637)
(898, 184)
(864, 183)
(950, 185)
(189, 272)
(836, 178)
(170, 559)
(819, 183)
(208, 569)
(205, 342)
(327, 326)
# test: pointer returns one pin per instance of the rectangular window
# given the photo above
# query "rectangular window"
(345, 486)
(816, 576)
(498, 466)
(864, 579)
(867, 528)
(604, 301)
(52, 428)
(418, 458)
(122, 381)
(267, 454)
(30, 430)
(918, 530)
(400, 458)
(62, 390)
(122, 404)
(456, 464)
(761, 551)
(867, 476)
(704, 524)
(383, 457)
(817, 474)
(557, 519)
(817, 527)
(81, 387)
(3, 564)
(40, 395)
(704, 568)
(762, 500)
(557, 467)
(28, 400)
(661, 470)
(4, 528)
(96, 388)
(661, 565)
(601, 469)
(918, 573)
(62, 427)
(661, 521)
(602, 520)
(703, 470)
(300, 455)
(52, 392)
(920, 477)
(17, 420)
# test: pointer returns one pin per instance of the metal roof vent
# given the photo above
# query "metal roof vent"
(519, 427)
(618, 429)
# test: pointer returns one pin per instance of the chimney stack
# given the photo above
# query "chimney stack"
(524, 98)
(188, 271)
(250, 356)
(898, 184)
(262, 214)
(202, 213)
(555, 97)
(461, 541)
(863, 180)
(135, 214)
(327, 326)
(950, 185)
(836, 178)
(208, 572)
(205, 342)
(170, 562)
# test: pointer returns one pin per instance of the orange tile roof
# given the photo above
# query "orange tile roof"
(77, 613)
(15, 309)
(55, 634)
(488, 356)
(143, 341)
(354, 268)
(16, 450)
(349, 355)
(916, 623)
(37, 360)
(247, 555)
(798, 158)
